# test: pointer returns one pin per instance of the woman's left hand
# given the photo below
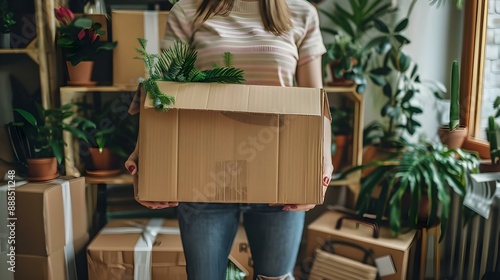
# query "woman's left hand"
(327, 176)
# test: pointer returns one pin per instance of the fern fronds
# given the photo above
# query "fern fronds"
(228, 60)
(224, 75)
(161, 102)
(177, 64)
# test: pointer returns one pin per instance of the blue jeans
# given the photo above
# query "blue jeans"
(208, 231)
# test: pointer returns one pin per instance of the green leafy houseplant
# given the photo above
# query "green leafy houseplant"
(177, 64)
(46, 136)
(353, 25)
(6, 17)
(113, 130)
(80, 37)
(423, 170)
(398, 78)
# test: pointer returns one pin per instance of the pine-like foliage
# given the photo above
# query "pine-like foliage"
(177, 64)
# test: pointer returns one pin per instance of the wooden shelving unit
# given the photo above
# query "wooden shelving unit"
(42, 50)
(356, 156)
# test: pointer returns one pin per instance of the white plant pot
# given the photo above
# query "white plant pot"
(4, 40)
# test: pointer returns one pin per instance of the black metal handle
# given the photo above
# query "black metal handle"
(329, 246)
(365, 221)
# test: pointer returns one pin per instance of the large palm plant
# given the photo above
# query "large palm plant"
(422, 169)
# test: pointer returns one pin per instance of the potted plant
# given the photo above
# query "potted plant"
(80, 40)
(6, 23)
(341, 134)
(342, 56)
(352, 27)
(454, 135)
(398, 78)
(111, 141)
(45, 145)
(407, 188)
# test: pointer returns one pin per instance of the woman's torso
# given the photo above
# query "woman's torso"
(267, 59)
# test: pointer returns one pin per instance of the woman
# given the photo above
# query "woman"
(276, 42)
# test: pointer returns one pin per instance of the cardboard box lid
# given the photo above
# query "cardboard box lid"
(119, 248)
(326, 223)
(250, 98)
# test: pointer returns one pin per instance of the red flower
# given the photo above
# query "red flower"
(64, 15)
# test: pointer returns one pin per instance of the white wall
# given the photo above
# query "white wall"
(435, 35)
(436, 39)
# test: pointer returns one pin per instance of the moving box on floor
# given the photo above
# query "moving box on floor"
(392, 253)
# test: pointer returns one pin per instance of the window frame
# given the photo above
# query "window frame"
(471, 82)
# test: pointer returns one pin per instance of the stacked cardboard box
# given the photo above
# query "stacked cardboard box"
(127, 26)
(113, 252)
(392, 254)
(49, 227)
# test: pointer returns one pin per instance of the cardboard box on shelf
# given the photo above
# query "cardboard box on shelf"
(233, 143)
(392, 253)
(39, 215)
(127, 26)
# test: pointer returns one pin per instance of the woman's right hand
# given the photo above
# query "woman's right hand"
(131, 165)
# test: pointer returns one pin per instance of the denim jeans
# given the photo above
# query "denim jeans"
(208, 230)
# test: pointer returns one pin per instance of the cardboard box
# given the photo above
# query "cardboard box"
(111, 255)
(233, 143)
(39, 216)
(127, 26)
(52, 267)
(390, 251)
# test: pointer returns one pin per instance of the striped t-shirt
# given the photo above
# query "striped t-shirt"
(267, 59)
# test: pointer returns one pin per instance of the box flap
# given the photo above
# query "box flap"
(250, 98)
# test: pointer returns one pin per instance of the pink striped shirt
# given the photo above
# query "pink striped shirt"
(266, 59)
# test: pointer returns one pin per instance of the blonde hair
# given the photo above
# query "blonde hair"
(275, 14)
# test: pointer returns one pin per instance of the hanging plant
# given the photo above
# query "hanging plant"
(176, 64)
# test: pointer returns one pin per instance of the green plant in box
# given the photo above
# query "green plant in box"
(177, 64)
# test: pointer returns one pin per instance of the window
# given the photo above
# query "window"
(480, 81)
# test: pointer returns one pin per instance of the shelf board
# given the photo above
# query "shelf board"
(349, 92)
(120, 179)
(17, 51)
(72, 89)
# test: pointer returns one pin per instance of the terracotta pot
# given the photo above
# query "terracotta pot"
(453, 139)
(42, 169)
(375, 153)
(424, 206)
(103, 160)
(341, 82)
(80, 74)
(341, 144)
